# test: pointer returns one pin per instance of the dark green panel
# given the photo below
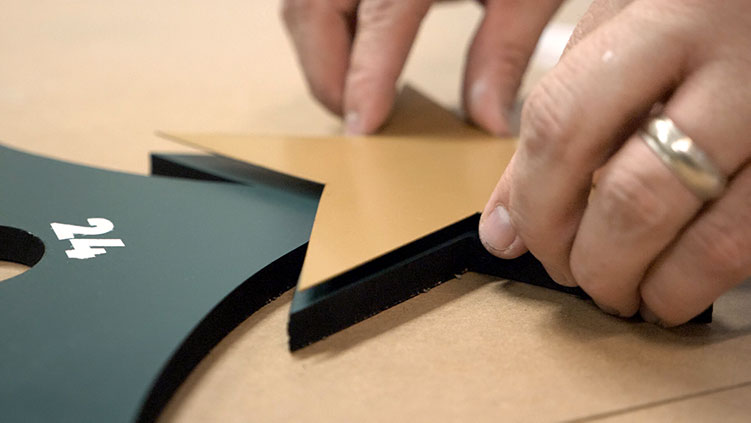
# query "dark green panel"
(84, 339)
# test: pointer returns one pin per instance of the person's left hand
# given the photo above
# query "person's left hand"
(353, 51)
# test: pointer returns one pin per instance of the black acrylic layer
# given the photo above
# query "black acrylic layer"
(405, 272)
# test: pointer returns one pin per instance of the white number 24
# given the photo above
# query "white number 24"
(85, 248)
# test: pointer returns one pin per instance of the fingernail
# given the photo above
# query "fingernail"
(496, 232)
(648, 315)
(352, 124)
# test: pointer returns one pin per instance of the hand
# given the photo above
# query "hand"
(640, 240)
(352, 53)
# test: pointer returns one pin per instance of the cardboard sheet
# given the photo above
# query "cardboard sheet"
(90, 82)
(481, 350)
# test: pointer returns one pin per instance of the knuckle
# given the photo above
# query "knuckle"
(377, 10)
(510, 62)
(631, 203)
(724, 249)
(367, 82)
(385, 13)
(545, 121)
(361, 82)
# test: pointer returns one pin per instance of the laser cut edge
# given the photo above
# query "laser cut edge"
(390, 279)
(386, 281)
(258, 290)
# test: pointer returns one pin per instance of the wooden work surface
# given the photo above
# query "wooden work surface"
(90, 82)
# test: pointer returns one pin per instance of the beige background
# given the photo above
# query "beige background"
(91, 81)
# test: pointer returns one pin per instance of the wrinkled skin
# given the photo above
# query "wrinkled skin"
(641, 241)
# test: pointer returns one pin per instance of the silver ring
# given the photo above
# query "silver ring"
(683, 157)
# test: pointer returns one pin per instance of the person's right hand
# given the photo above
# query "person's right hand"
(648, 238)
(353, 51)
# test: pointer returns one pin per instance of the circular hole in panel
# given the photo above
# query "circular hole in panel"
(19, 252)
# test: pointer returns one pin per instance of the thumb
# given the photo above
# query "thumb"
(497, 232)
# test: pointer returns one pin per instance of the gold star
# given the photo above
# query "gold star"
(426, 170)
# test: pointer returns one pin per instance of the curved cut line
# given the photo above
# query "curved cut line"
(257, 291)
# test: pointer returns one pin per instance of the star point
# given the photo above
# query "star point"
(426, 169)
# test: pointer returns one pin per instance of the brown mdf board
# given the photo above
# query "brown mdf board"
(728, 404)
(482, 350)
